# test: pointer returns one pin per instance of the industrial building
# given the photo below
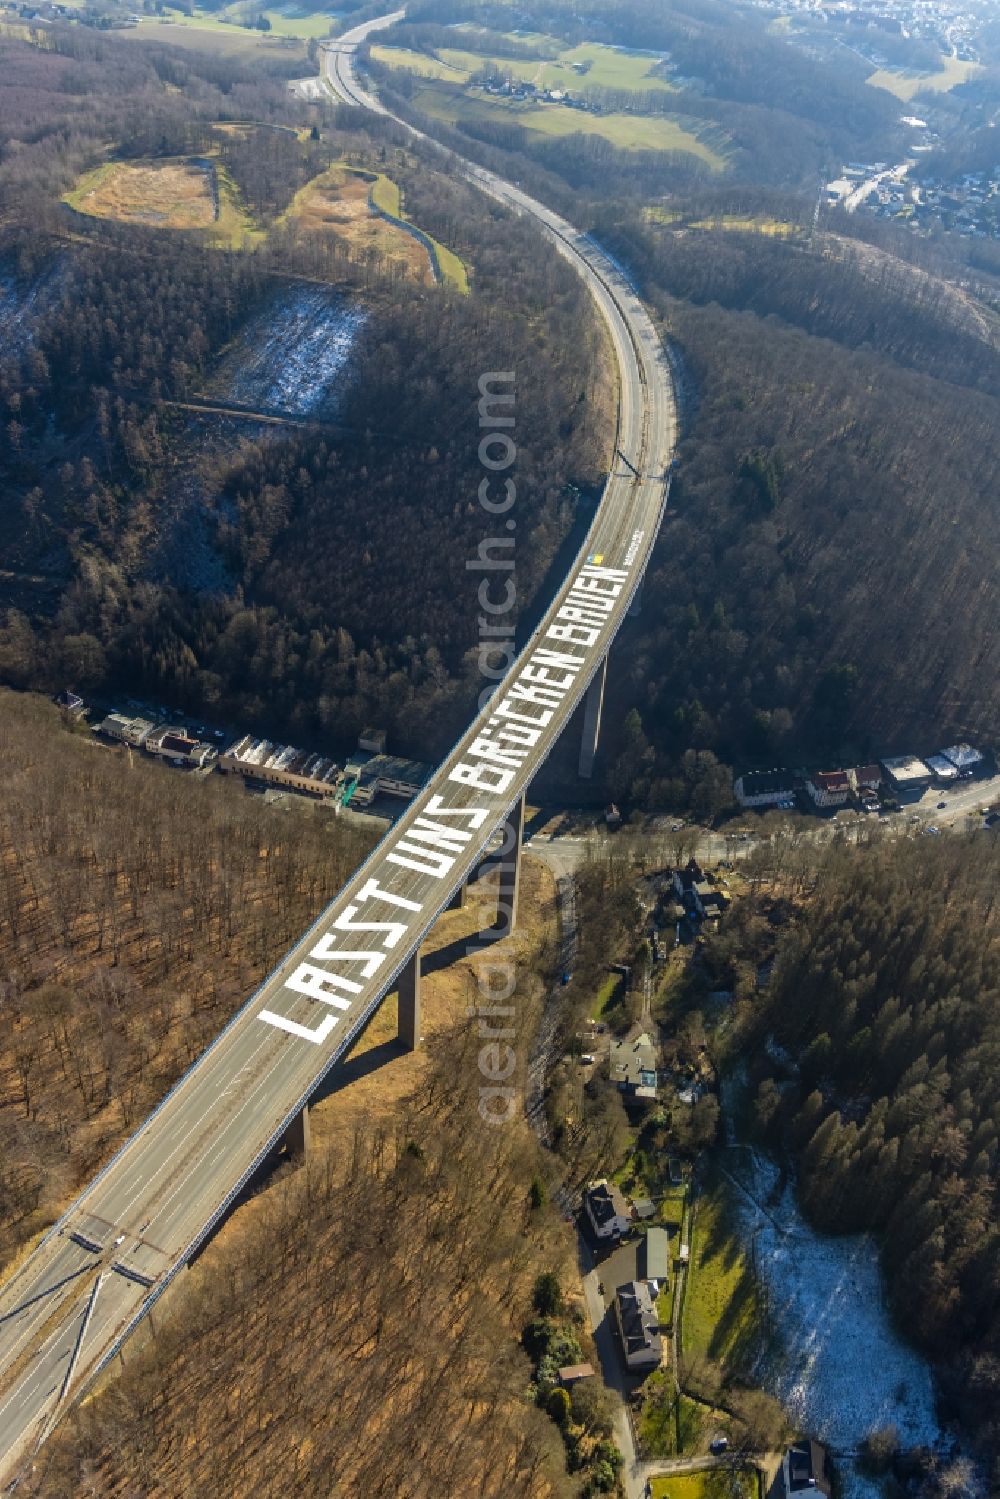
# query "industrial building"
(179, 746)
(907, 773)
(963, 757)
(388, 775)
(281, 765)
(942, 767)
(765, 788)
(132, 731)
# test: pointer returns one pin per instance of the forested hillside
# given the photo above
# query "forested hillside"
(886, 999)
(361, 1318)
(824, 585)
(334, 589)
(138, 909)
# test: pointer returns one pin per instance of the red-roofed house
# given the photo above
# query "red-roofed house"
(829, 788)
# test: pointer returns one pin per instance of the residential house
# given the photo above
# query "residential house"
(607, 1210)
(684, 880)
(697, 892)
(829, 788)
(803, 1469)
(638, 1325)
(70, 702)
(709, 901)
(373, 740)
(866, 780)
(633, 1066)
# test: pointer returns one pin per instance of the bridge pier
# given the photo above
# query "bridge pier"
(457, 902)
(593, 703)
(408, 1004)
(510, 869)
(635, 608)
(297, 1137)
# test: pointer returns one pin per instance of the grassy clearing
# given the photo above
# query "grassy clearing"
(629, 132)
(386, 196)
(299, 21)
(906, 86)
(672, 1425)
(720, 1317)
(714, 1483)
(606, 997)
(452, 268)
(287, 19)
(745, 224)
(168, 194)
(337, 202)
(172, 194)
(672, 1208)
(574, 68)
(230, 41)
(418, 63)
(234, 226)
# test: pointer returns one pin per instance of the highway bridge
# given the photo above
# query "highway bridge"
(101, 1268)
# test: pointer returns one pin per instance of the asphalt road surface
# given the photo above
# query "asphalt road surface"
(100, 1268)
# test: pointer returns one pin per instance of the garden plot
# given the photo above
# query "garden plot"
(289, 360)
(842, 1371)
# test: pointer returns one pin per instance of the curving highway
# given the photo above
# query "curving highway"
(102, 1266)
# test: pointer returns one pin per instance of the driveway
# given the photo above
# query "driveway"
(603, 1327)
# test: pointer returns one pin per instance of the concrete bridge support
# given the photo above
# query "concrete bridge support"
(408, 997)
(510, 870)
(593, 703)
(635, 608)
(297, 1136)
(457, 902)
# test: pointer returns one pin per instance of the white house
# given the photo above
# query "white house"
(829, 788)
(607, 1210)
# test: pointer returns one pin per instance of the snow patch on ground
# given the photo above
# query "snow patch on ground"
(289, 359)
(20, 307)
(842, 1371)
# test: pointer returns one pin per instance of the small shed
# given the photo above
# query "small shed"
(573, 1373)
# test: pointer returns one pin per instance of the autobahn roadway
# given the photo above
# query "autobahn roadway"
(103, 1265)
